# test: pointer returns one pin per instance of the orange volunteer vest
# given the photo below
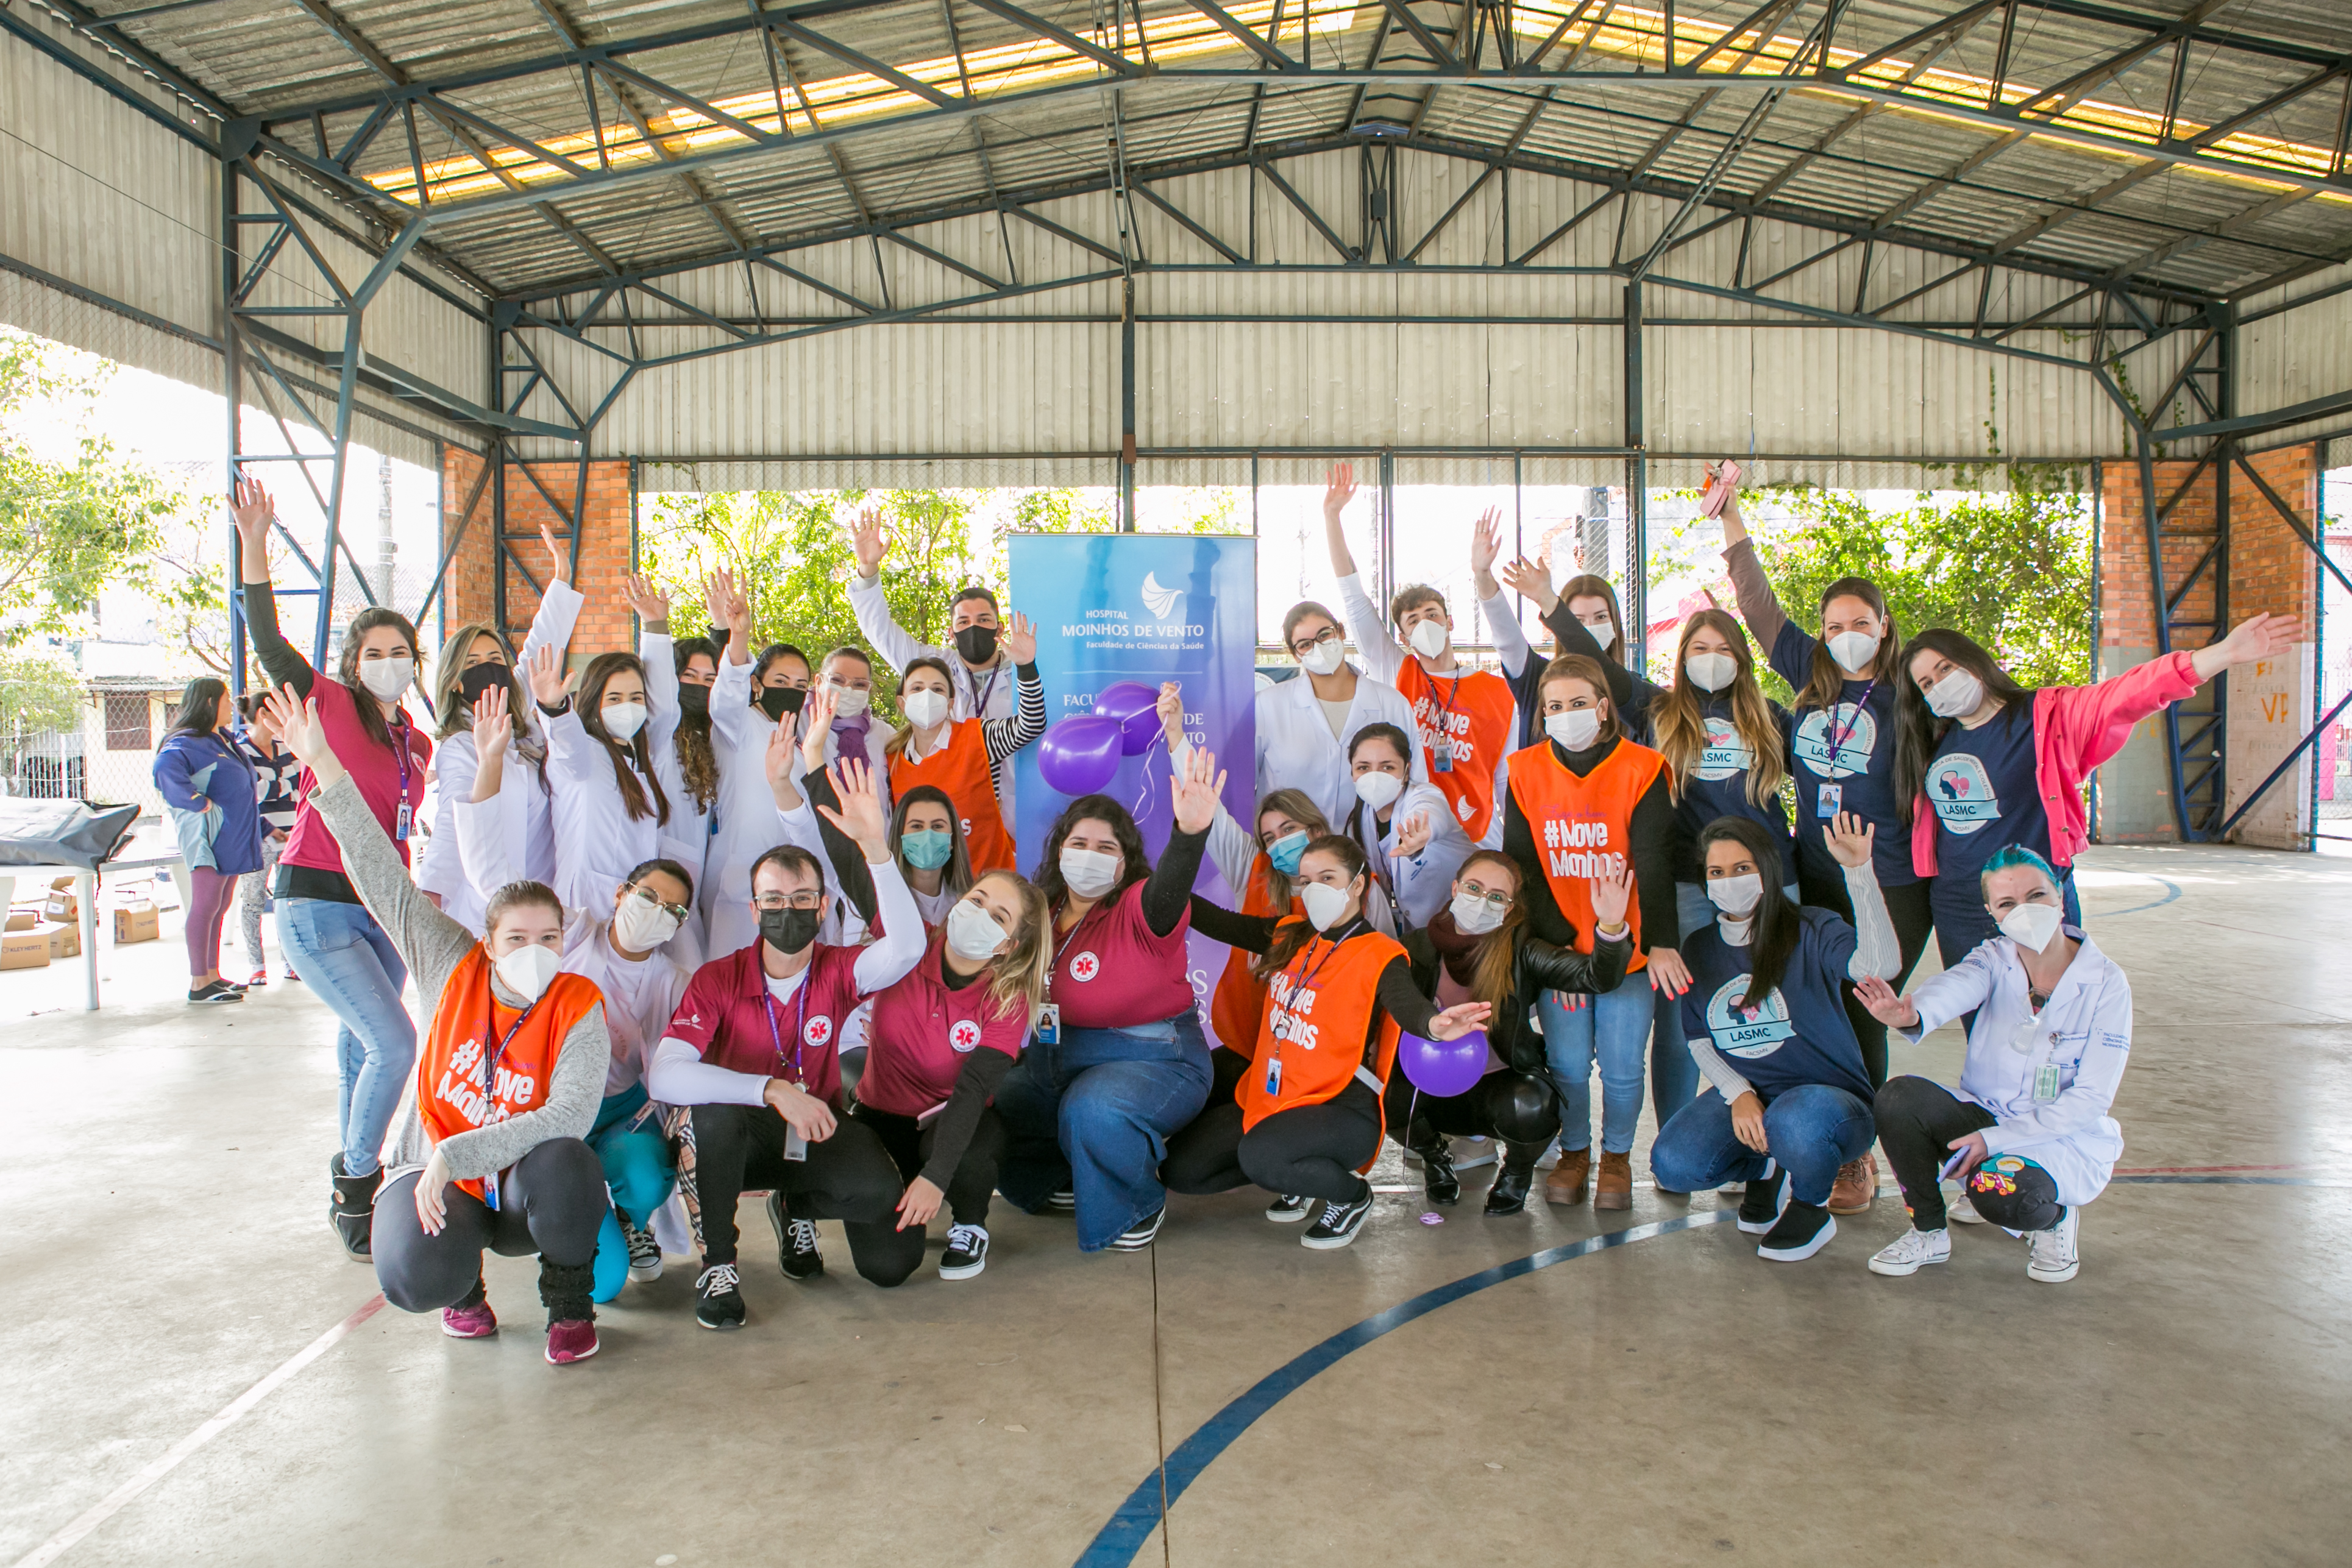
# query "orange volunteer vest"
(1583, 828)
(961, 768)
(1239, 1006)
(1468, 721)
(471, 1022)
(1318, 1010)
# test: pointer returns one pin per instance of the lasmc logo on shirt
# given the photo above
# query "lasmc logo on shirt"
(1084, 967)
(1746, 1031)
(963, 1036)
(1291, 1005)
(1857, 734)
(1578, 846)
(1962, 793)
(1724, 755)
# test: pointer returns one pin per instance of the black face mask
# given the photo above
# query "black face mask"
(976, 644)
(788, 930)
(482, 678)
(778, 701)
(693, 701)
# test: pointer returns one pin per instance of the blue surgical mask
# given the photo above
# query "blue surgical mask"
(927, 850)
(1284, 853)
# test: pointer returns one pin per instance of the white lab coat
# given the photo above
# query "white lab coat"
(1295, 748)
(990, 695)
(686, 837)
(2085, 1031)
(1419, 885)
(597, 843)
(749, 824)
(526, 814)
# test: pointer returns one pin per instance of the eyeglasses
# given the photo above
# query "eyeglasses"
(677, 912)
(1330, 634)
(768, 903)
(1496, 901)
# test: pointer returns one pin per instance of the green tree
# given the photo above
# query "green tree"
(38, 694)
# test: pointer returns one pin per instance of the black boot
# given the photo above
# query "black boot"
(567, 1291)
(1444, 1188)
(352, 1211)
(1508, 1195)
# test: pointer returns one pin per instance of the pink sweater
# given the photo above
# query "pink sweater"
(2075, 728)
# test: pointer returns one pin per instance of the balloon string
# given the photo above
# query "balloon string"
(1143, 795)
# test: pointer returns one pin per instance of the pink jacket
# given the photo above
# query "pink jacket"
(2075, 728)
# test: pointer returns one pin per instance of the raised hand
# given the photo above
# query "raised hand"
(1338, 488)
(1171, 708)
(298, 726)
(727, 606)
(1198, 785)
(493, 726)
(1885, 1003)
(252, 511)
(549, 684)
(866, 538)
(1019, 639)
(1486, 541)
(559, 559)
(1458, 1020)
(1529, 582)
(2256, 637)
(1849, 838)
(1412, 835)
(1612, 896)
(784, 777)
(860, 818)
(816, 710)
(650, 603)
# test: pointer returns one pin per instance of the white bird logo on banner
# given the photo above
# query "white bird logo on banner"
(1158, 599)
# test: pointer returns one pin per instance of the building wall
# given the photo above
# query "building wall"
(606, 547)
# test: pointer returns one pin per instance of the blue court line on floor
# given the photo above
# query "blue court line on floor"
(2171, 892)
(1115, 1545)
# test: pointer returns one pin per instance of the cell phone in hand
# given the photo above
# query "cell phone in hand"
(1952, 1166)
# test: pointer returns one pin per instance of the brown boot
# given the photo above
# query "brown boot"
(1614, 1189)
(1566, 1182)
(1857, 1188)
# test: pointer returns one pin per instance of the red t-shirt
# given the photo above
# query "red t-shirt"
(924, 1030)
(1111, 972)
(376, 770)
(730, 1015)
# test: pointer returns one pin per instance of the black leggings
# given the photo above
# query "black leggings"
(552, 1203)
(849, 1176)
(1917, 1119)
(1520, 1109)
(909, 1144)
(1310, 1151)
(1914, 923)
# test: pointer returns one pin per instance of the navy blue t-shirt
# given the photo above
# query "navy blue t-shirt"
(1717, 786)
(1981, 788)
(1844, 759)
(1800, 1034)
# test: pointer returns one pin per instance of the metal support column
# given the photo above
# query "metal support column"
(2195, 730)
(1126, 405)
(1637, 492)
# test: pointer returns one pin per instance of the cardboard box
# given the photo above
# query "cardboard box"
(23, 919)
(65, 941)
(61, 906)
(136, 922)
(64, 882)
(24, 950)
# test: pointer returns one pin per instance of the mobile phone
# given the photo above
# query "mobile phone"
(1952, 1166)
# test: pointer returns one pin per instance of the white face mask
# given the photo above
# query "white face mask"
(622, 720)
(1956, 695)
(1710, 671)
(640, 926)
(1379, 791)
(528, 971)
(2032, 925)
(1428, 638)
(1574, 729)
(1324, 658)
(925, 708)
(1473, 917)
(1088, 873)
(1325, 904)
(385, 679)
(1736, 895)
(1853, 650)
(849, 702)
(973, 932)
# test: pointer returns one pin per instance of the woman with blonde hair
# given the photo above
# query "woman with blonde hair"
(941, 1040)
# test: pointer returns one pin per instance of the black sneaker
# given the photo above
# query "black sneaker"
(719, 1298)
(1339, 1223)
(1438, 1179)
(1761, 1206)
(216, 991)
(1287, 1208)
(1137, 1236)
(1803, 1230)
(796, 1247)
(967, 1252)
(1063, 1201)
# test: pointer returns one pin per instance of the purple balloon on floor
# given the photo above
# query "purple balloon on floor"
(1443, 1068)
(1135, 707)
(1079, 756)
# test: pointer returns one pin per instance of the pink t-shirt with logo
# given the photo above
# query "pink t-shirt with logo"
(924, 1031)
(727, 1010)
(1111, 972)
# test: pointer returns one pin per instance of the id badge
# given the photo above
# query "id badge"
(1049, 1024)
(1831, 798)
(490, 1191)
(400, 822)
(1274, 1075)
(2045, 1083)
(795, 1147)
(1441, 759)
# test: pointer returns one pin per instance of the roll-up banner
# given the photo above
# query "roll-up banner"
(1148, 608)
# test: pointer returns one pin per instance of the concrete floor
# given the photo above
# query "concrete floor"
(1673, 1398)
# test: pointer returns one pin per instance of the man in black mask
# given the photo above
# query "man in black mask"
(754, 1048)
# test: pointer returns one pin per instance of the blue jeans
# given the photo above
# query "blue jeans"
(1811, 1130)
(637, 1171)
(1615, 1027)
(349, 964)
(1097, 1111)
(1674, 1071)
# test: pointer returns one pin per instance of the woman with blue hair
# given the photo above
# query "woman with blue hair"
(2028, 1133)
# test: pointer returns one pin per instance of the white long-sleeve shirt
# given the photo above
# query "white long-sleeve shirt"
(1384, 657)
(986, 693)
(2084, 1031)
(1419, 885)
(597, 843)
(1297, 750)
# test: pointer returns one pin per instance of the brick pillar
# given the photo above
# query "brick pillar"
(466, 587)
(2271, 571)
(605, 546)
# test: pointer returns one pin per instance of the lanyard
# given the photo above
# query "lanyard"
(1829, 723)
(980, 694)
(1056, 967)
(491, 1054)
(1300, 983)
(799, 1023)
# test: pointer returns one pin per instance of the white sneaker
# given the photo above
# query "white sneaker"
(1960, 1208)
(1911, 1251)
(1469, 1153)
(1549, 1157)
(644, 1253)
(2055, 1259)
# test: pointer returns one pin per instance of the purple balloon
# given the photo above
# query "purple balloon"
(1135, 707)
(1080, 755)
(1443, 1068)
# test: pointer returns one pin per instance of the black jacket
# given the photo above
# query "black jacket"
(1540, 968)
